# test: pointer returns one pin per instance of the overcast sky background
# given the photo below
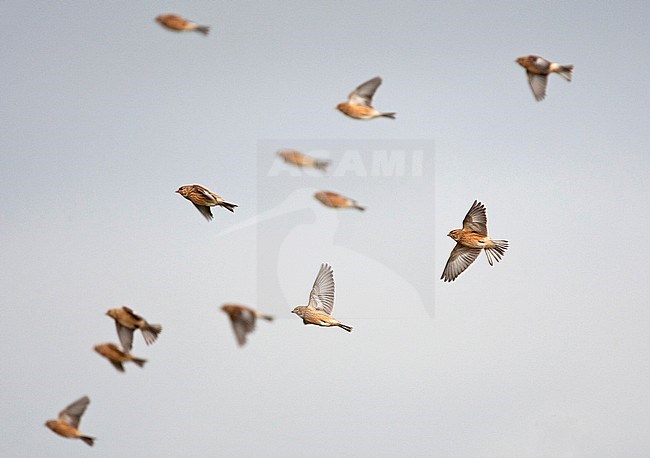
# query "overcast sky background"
(104, 114)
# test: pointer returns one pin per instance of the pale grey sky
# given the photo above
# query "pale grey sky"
(105, 114)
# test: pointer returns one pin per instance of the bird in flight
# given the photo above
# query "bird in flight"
(126, 322)
(359, 104)
(302, 160)
(68, 422)
(116, 356)
(203, 199)
(334, 200)
(243, 320)
(470, 240)
(318, 310)
(178, 24)
(538, 69)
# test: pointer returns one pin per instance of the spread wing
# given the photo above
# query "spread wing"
(205, 211)
(459, 260)
(322, 293)
(72, 414)
(362, 95)
(538, 85)
(242, 324)
(125, 335)
(476, 219)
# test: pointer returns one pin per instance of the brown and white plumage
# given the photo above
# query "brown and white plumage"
(203, 199)
(243, 320)
(318, 310)
(538, 69)
(127, 321)
(470, 240)
(176, 23)
(302, 160)
(359, 104)
(117, 357)
(68, 421)
(334, 200)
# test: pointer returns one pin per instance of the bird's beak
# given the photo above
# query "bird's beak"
(176, 190)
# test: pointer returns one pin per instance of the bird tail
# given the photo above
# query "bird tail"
(322, 165)
(565, 71)
(229, 206)
(266, 317)
(88, 440)
(359, 207)
(345, 326)
(150, 332)
(139, 361)
(388, 115)
(204, 29)
(496, 250)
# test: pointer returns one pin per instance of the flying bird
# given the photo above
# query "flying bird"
(68, 422)
(243, 320)
(302, 160)
(321, 301)
(538, 69)
(359, 104)
(126, 321)
(334, 200)
(203, 199)
(178, 24)
(116, 356)
(470, 240)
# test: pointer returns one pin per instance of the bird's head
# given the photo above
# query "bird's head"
(455, 234)
(299, 310)
(341, 106)
(50, 424)
(183, 191)
(112, 313)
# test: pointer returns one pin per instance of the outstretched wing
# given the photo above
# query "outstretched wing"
(363, 94)
(460, 259)
(125, 335)
(538, 85)
(205, 211)
(242, 324)
(72, 414)
(322, 293)
(476, 219)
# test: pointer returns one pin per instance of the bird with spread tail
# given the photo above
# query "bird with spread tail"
(68, 422)
(203, 199)
(116, 356)
(359, 104)
(538, 69)
(178, 24)
(334, 200)
(318, 310)
(302, 160)
(470, 240)
(126, 322)
(243, 320)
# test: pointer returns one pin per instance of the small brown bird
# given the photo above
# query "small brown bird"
(116, 356)
(203, 199)
(334, 200)
(302, 160)
(538, 69)
(359, 104)
(69, 419)
(126, 321)
(243, 320)
(178, 24)
(321, 301)
(470, 240)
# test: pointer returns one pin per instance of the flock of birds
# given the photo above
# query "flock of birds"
(470, 240)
